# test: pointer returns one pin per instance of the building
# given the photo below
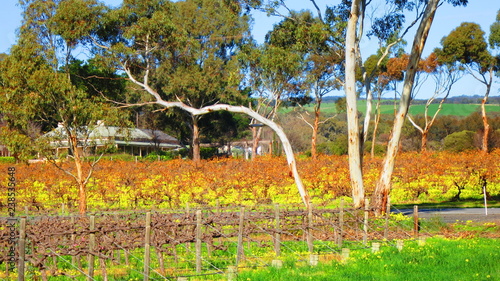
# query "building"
(133, 141)
(4, 152)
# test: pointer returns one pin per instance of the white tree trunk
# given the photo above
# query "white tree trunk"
(287, 147)
(484, 117)
(384, 183)
(354, 149)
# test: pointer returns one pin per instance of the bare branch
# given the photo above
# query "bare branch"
(318, 10)
(415, 124)
(235, 109)
(307, 122)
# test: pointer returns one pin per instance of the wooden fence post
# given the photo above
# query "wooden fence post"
(277, 263)
(400, 245)
(415, 221)
(73, 238)
(313, 260)
(341, 223)
(345, 254)
(277, 235)
(90, 256)
(22, 250)
(147, 246)
(310, 238)
(365, 224)
(232, 273)
(240, 253)
(421, 241)
(198, 241)
(387, 215)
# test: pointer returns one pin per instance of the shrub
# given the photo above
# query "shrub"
(495, 139)
(340, 145)
(208, 152)
(337, 147)
(379, 149)
(166, 155)
(459, 141)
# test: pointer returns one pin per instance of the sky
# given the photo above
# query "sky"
(482, 12)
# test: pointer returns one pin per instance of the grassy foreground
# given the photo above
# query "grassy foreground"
(435, 259)
(438, 259)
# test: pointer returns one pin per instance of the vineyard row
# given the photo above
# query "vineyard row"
(44, 240)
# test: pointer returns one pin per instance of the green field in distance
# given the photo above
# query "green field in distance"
(448, 108)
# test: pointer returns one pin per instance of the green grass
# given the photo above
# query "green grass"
(448, 108)
(452, 109)
(439, 259)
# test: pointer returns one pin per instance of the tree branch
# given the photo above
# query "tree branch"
(318, 10)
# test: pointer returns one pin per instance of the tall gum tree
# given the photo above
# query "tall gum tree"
(153, 46)
(317, 42)
(38, 89)
(354, 134)
(354, 32)
(383, 186)
(389, 29)
(467, 46)
(273, 71)
(386, 26)
(272, 75)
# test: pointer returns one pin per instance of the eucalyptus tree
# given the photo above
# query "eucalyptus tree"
(390, 28)
(273, 73)
(394, 21)
(384, 28)
(39, 90)
(444, 77)
(494, 38)
(314, 43)
(383, 185)
(467, 46)
(182, 55)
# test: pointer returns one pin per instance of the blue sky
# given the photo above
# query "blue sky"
(482, 12)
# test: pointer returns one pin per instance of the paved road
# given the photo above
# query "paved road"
(461, 214)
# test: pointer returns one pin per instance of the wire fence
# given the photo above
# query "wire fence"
(175, 244)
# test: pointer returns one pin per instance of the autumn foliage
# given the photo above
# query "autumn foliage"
(418, 177)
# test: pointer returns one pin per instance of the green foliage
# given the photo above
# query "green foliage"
(466, 258)
(107, 149)
(494, 38)
(185, 51)
(459, 141)
(74, 19)
(208, 152)
(168, 155)
(118, 157)
(340, 145)
(6, 159)
(336, 147)
(465, 44)
(379, 149)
